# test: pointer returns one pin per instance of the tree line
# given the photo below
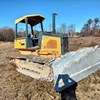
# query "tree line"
(64, 29)
(91, 27)
(6, 34)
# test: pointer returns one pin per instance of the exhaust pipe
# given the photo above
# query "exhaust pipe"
(53, 23)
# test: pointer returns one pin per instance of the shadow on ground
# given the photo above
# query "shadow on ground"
(69, 93)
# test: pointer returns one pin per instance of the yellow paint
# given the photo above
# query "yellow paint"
(25, 52)
(49, 56)
(28, 52)
(50, 52)
(20, 43)
(44, 51)
(41, 54)
(22, 18)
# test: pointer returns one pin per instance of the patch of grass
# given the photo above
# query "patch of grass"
(98, 81)
(95, 82)
(94, 94)
(98, 89)
(92, 89)
(92, 98)
(86, 88)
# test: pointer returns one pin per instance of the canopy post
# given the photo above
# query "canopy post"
(15, 31)
(26, 21)
(42, 27)
(32, 30)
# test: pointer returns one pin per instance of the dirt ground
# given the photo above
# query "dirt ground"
(16, 86)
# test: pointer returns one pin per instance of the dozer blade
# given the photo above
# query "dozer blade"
(34, 70)
(74, 66)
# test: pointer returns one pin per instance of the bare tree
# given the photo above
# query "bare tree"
(96, 21)
(84, 30)
(95, 28)
(63, 28)
(50, 27)
(58, 30)
(89, 22)
(71, 30)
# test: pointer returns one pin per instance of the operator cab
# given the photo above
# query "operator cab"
(50, 45)
(28, 39)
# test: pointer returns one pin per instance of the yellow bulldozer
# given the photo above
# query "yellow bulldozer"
(46, 44)
(44, 56)
(38, 51)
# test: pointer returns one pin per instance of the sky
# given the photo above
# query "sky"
(69, 11)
